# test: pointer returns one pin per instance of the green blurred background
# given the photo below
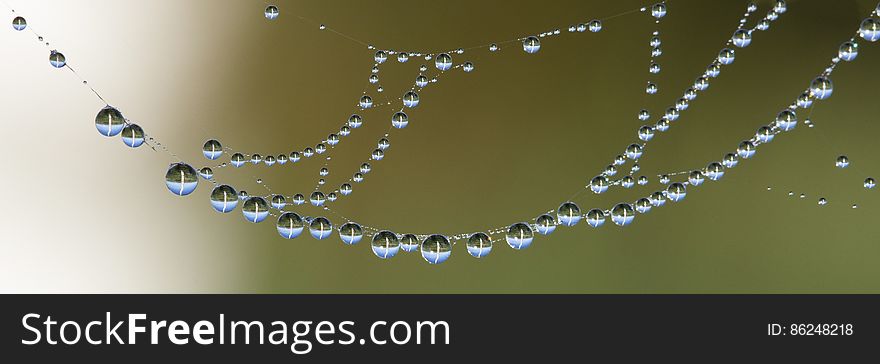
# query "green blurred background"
(516, 137)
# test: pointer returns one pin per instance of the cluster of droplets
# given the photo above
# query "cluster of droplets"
(182, 179)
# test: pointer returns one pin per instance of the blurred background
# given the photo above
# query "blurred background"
(512, 139)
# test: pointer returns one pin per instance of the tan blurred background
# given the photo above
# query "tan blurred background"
(516, 137)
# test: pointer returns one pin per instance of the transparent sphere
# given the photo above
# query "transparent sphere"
(695, 178)
(870, 183)
(676, 192)
(646, 133)
(805, 100)
(385, 244)
(870, 30)
(320, 228)
(57, 60)
(786, 120)
(317, 198)
(351, 233)
(299, 199)
(610, 170)
(764, 134)
(468, 67)
(224, 198)
(436, 249)
(212, 149)
(377, 154)
(332, 139)
(822, 201)
(269, 160)
(842, 162)
(366, 102)
(726, 56)
(237, 160)
(713, 70)
(627, 182)
(295, 157)
(714, 171)
(532, 45)
(595, 25)
(742, 38)
(651, 88)
(658, 198)
(278, 202)
(206, 173)
(821, 88)
(780, 7)
(545, 224)
(355, 121)
(133, 135)
(701, 84)
(399, 120)
(658, 10)
(848, 51)
(569, 214)
(181, 179)
(290, 225)
(421, 81)
(271, 12)
(520, 236)
(366, 168)
(729, 160)
(746, 149)
(19, 23)
(682, 104)
(256, 159)
(595, 218)
(411, 99)
(656, 52)
(402, 57)
(643, 205)
(409, 243)
(644, 115)
(109, 121)
(345, 189)
(634, 151)
(255, 209)
(480, 245)
(380, 57)
(671, 114)
(443, 62)
(599, 184)
(622, 214)
(384, 144)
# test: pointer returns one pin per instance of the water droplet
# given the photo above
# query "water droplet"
(255, 209)
(436, 249)
(519, 236)
(385, 244)
(181, 179)
(224, 198)
(271, 12)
